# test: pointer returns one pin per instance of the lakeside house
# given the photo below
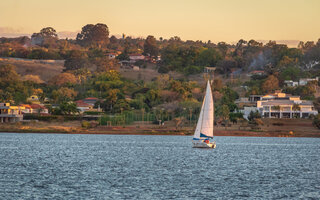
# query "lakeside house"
(82, 106)
(10, 113)
(136, 57)
(34, 109)
(87, 104)
(279, 105)
(90, 100)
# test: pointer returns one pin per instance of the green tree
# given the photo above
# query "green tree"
(94, 35)
(316, 121)
(68, 108)
(254, 115)
(111, 98)
(151, 47)
(63, 94)
(47, 37)
(208, 57)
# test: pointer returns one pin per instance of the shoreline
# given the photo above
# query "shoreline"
(180, 133)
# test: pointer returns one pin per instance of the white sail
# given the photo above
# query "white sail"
(204, 127)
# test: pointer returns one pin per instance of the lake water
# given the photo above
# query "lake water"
(58, 166)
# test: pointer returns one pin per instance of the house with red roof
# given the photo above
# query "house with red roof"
(82, 106)
(90, 100)
(34, 109)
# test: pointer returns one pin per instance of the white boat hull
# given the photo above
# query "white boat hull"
(201, 144)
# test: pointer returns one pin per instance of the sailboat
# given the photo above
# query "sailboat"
(204, 129)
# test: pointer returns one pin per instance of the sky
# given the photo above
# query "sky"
(215, 20)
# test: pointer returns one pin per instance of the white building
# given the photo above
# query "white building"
(304, 81)
(291, 83)
(136, 57)
(281, 105)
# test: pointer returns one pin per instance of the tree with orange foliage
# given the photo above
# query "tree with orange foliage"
(63, 79)
(270, 84)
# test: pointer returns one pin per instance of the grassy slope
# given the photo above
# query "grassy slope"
(45, 69)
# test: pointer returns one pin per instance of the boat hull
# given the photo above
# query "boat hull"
(211, 145)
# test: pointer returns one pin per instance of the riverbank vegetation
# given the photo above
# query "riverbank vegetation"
(88, 72)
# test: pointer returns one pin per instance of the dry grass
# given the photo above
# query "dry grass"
(146, 74)
(45, 69)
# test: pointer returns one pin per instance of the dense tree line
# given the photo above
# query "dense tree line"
(88, 71)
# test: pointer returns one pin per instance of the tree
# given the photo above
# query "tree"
(11, 86)
(226, 65)
(270, 84)
(68, 108)
(316, 121)
(63, 95)
(225, 112)
(254, 115)
(217, 84)
(63, 79)
(104, 64)
(46, 37)
(32, 78)
(296, 107)
(48, 32)
(208, 57)
(316, 104)
(94, 35)
(151, 47)
(76, 59)
(8, 75)
(111, 98)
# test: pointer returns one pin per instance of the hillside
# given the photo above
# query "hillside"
(45, 69)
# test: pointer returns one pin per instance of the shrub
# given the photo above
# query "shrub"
(316, 121)
(85, 124)
(277, 124)
(50, 118)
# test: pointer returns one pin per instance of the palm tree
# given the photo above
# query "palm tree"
(296, 107)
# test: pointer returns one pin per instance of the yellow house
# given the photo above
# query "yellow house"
(33, 99)
(10, 113)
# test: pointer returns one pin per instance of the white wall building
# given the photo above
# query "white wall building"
(304, 81)
(136, 57)
(291, 83)
(281, 105)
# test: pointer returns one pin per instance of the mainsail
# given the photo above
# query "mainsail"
(204, 129)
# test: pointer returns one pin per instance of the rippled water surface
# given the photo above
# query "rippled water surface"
(57, 166)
